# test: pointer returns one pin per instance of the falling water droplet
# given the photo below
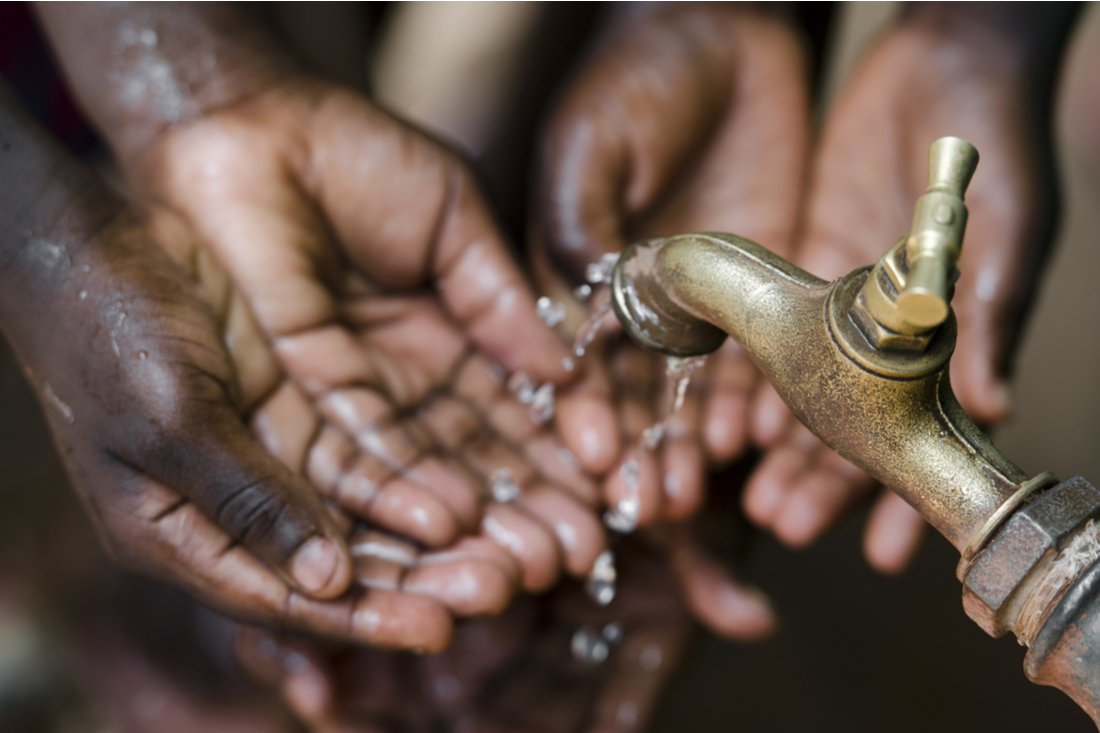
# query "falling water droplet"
(582, 292)
(600, 584)
(588, 646)
(551, 312)
(613, 632)
(503, 488)
(83, 295)
(602, 270)
(522, 386)
(542, 404)
(143, 355)
(568, 364)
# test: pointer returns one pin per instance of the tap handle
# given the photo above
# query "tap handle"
(935, 237)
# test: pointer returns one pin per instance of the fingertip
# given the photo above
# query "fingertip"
(893, 535)
(725, 428)
(468, 587)
(766, 488)
(590, 430)
(322, 567)
(769, 417)
(683, 478)
(402, 621)
(634, 489)
(306, 689)
(733, 610)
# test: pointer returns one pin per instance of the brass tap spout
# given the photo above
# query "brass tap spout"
(863, 362)
(878, 394)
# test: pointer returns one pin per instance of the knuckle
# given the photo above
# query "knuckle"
(259, 516)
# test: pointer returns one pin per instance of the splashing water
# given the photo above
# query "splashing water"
(600, 583)
(592, 646)
(539, 400)
(542, 405)
(590, 329)
(589, 646)
(602, 270)
(551, 312)
(502, 486)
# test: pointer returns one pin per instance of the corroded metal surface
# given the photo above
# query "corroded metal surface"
(1001, 577)
(1066, 652)
(907, 431)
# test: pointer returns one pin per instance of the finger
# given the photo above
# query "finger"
(285, 423)
(528, 540)
(648, 656)
(206, 453)
(729, 607)
(577, 528)
(586, 421)
(731, 378)
(468, 586)
(814, 502)
(683, 478)
(558, 464)
(769, 415)
(444, 234)
(599, 167)
(769, 484)
(682, 458)
(291, 666)
(893, 535)
(178, 543)
(634, 490)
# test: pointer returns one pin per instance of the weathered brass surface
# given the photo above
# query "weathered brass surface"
(863, 362)
(911, 294)
(891, 412)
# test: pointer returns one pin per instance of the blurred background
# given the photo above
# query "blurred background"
(85, 648)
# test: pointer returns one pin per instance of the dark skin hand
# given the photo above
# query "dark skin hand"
(687, 119)
(618, 145)
(981, 74)
(380, 287)
(151, 369)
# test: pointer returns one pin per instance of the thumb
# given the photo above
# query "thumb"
(213, 461)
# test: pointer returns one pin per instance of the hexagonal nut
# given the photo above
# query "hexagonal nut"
(879, 335)
(1026, 543)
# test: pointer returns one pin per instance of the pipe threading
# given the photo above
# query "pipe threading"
(1078, 554)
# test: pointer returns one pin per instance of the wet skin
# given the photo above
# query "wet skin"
(686, 120)
(698, 120)
(386, 313)
(512, 673)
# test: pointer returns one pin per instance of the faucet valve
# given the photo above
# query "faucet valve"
(908, 293)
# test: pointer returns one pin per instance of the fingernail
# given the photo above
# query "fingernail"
(314, 564)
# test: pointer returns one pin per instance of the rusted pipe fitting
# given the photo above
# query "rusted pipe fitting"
(1018, 558)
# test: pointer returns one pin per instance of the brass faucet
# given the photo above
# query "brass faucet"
(863, 362)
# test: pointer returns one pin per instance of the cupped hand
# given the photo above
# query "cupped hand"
(918, 83)
(147, 361)
(555, 663)
(688, 119)
(392, 307)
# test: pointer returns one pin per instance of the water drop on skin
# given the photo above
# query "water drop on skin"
(83, 295)
(143, 355)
